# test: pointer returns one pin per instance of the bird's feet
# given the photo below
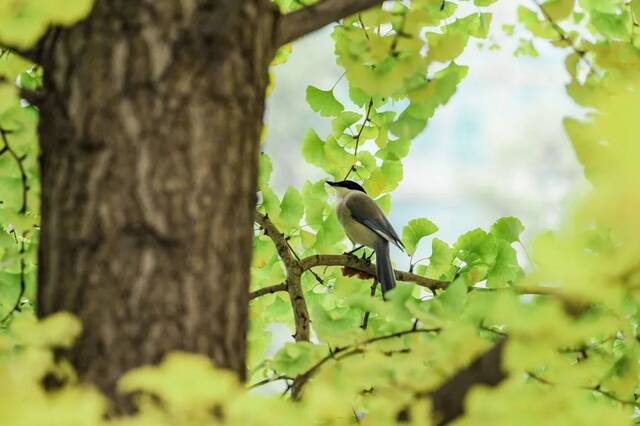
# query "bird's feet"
(354, 250)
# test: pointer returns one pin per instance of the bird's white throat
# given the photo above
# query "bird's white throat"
(341, 193)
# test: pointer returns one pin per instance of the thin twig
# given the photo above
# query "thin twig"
(18, 160)
(365, 320)
(357, 138)
(268, 290)
(345, 351)
(597, 389)
(364, 29)
(563, 35)
(17, 306)
(266, 381)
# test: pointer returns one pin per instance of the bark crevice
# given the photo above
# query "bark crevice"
(150, 129)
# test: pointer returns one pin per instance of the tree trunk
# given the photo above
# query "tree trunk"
(150, 141)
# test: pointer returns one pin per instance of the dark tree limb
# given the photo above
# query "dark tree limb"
(358, 264)
(268, 290)
(448, 399)
(310, 18)
(294, 272)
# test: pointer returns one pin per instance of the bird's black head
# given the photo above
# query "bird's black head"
(348, 184)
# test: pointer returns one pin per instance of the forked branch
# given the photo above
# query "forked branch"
(294, 272)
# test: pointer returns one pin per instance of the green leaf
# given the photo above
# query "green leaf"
(395, 150)
(476, 25)
(445, 47)
(23, 23)
(454, 299)
(476, 246)
(291, 208)
(526, 48)
(296, 358)
(507, 228)
(414, 231)
(483, 3)
(329, 234)
(384, 179)
(282, 55)
(603, 6)
(613, 25)
(412, 121)
(263, 251)
(441, 259)
(323, 102)
(506, 269)
(270, 203)
(344, 120)
(315, 197)
(558, 10)
(264, 170)
(336, 160)
(537, 26)
(384, 202)
(313, 148)
(508, 29)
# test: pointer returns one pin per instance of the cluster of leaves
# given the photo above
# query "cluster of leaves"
(22, 23)
(571, 323)
(19, 185)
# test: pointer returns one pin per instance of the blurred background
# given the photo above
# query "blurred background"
(498, 148)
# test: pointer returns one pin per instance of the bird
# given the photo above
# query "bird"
(364, 223)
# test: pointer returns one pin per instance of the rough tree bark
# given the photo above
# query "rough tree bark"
(150, 140)
(149, 127)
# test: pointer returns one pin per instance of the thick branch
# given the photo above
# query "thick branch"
(358, 264)
(294, 272)
(308, 19)
(448, 399)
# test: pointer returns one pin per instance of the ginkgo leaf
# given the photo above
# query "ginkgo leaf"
(291, 208)
(506, 269)
(445, 47)
(313, 148)
(441, 259)
(508, 228)
(558, 10)
(414, 231)
(296, 358)
(323, 102)
(344, 120)
(476, 246)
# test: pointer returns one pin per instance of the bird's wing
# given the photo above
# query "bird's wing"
(364, 210)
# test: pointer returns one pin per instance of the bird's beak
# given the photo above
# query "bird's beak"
(328, 182)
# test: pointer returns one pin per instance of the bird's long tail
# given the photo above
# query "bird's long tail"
(384, 269)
